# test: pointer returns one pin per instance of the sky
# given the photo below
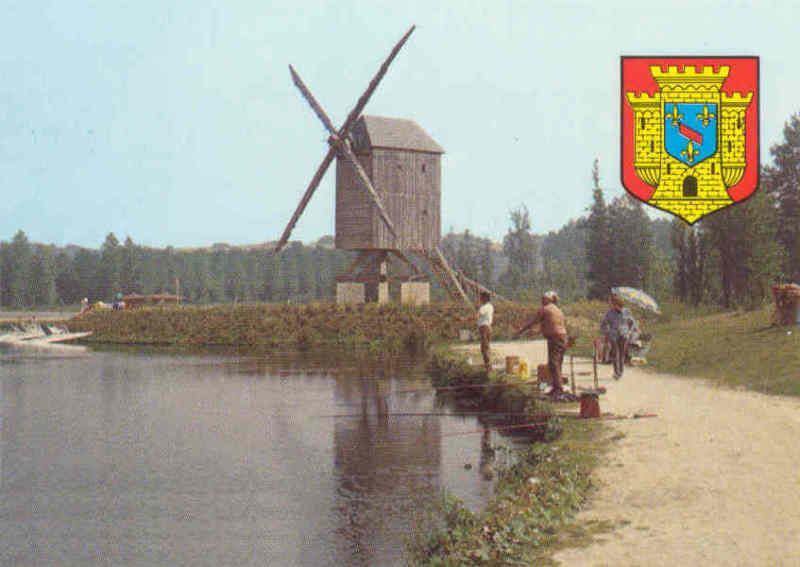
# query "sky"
(177, 123)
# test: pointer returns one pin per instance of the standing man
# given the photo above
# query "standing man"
(616, 326)
(485, 316)
(554, 330)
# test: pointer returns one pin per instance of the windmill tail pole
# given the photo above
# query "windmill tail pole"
(453, 277)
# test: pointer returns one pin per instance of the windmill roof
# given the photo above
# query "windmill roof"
(399, 133)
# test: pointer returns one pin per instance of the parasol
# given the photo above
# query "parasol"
(636, 296)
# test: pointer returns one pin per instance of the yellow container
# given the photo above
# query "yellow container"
(524, 371)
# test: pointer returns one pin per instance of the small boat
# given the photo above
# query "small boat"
(55, 338)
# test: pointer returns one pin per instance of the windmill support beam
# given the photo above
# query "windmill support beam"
(366, 280)
(415, 271)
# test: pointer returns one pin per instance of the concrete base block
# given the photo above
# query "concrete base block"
(377, 293)
(415, 293)
(350, 292)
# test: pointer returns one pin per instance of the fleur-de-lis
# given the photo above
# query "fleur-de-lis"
(689, 152)
(705, 116)
(674, 115)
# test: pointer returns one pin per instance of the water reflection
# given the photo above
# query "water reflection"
(134, 457)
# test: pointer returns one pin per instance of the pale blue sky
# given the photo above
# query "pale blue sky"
(176, 122)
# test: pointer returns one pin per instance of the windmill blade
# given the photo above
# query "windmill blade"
(312, 101)
(373, 84)
(337, 142)
(345, 147)
(323, 167)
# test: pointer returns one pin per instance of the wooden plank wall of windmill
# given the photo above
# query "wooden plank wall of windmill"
(409, 183)
(353, 206)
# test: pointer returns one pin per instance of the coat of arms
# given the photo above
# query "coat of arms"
(690, 132)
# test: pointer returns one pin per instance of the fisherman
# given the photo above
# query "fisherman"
(616, 326)
(485, 316)
(553, 328)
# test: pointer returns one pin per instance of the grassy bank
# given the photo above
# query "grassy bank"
(531, 514)
(736, 349)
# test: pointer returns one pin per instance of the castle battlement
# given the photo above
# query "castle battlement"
(689, 75)
(643, 99)
(736, 99)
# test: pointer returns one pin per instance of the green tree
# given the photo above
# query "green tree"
(131, 270)
(42, 277)
(467, 256)
(690, 245)
(20, 288)
(749, 257)
(630, 243)
(598, 242)
(782, 181)
(87, 263)
(564, 260)
(68, 287)
(485, 263)
(519, 246)
(109, 275)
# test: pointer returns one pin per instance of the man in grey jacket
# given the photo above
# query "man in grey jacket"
(616, 326)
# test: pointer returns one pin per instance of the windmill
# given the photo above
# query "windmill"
(388, 199)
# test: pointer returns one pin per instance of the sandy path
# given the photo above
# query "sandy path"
(714, 480)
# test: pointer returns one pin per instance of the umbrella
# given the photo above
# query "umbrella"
(636, 296)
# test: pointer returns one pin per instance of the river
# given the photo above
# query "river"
(156, 457)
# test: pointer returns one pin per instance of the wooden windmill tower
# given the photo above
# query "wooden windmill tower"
(388, 200)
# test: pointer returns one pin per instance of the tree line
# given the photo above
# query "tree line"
(730, 258)
(36, 275)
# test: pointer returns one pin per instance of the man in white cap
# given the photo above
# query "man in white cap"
(554, 330)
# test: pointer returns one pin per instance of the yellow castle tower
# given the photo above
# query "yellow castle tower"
(689, 140)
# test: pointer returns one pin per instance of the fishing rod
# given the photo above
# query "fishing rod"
(466, 386)
(543, 424)
(430, 414)
(529, 425)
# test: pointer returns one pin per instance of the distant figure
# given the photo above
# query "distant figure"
(84, 304)
(616, 326)
(485, 316)
(554, 330)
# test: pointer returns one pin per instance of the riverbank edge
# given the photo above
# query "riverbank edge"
(532, 512)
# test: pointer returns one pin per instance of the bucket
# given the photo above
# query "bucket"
(512, 365)
(590, 405)
(543, 373)
(524, 371)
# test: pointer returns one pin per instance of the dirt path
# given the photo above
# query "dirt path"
(713, 480)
